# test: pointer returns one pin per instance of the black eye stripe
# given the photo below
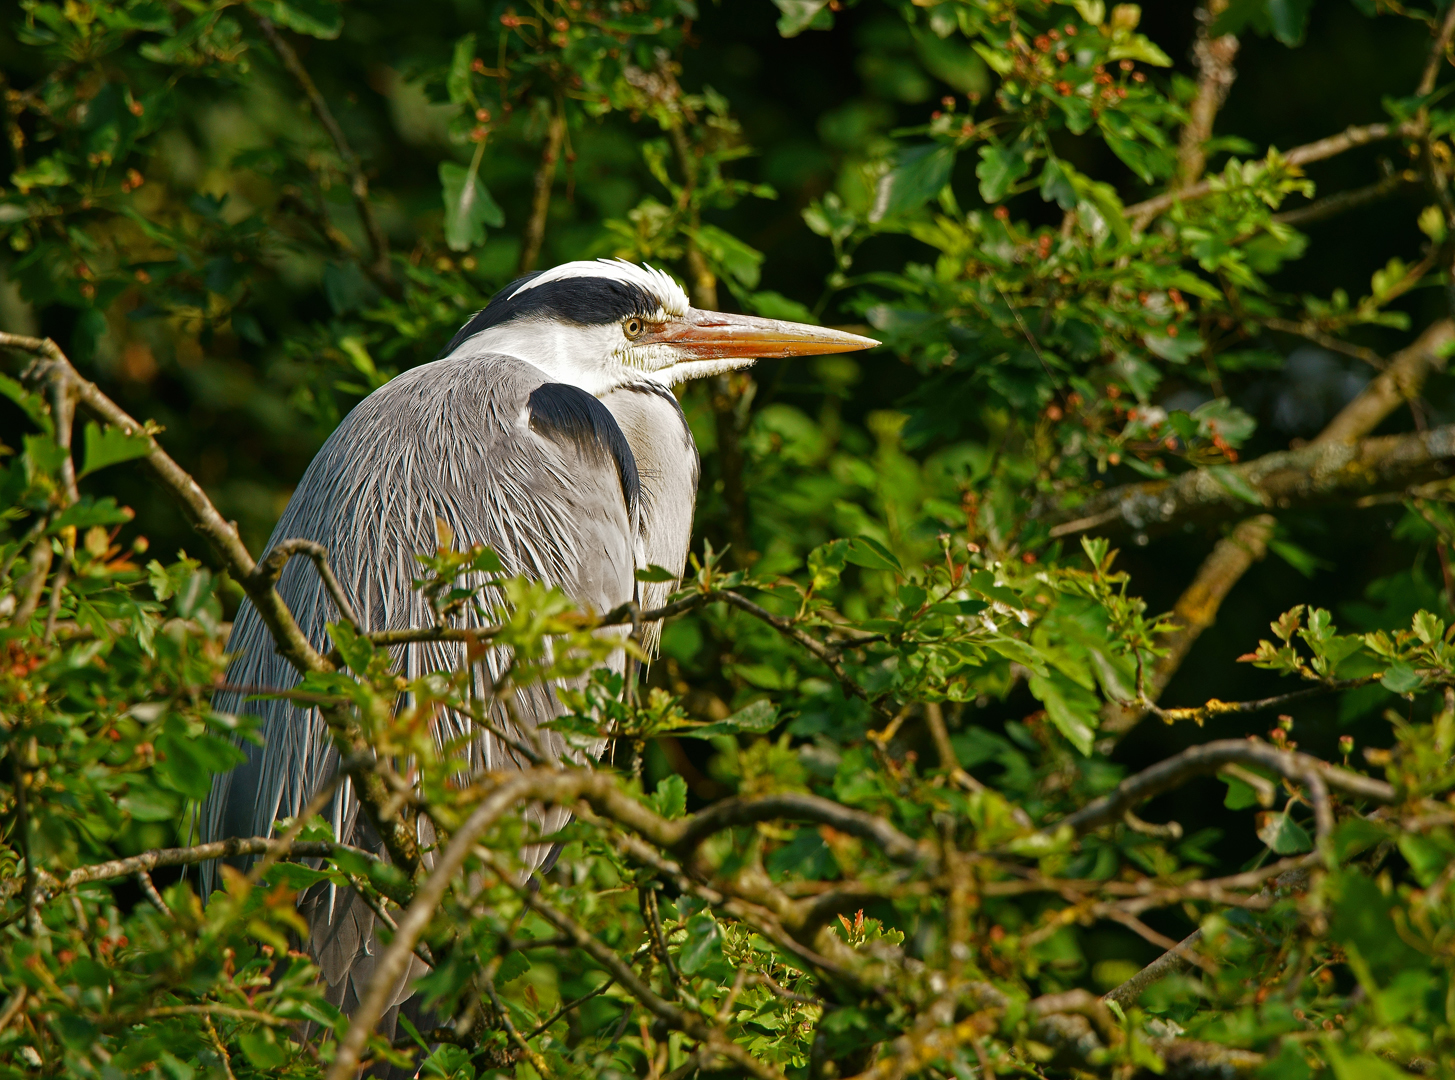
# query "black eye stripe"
(585, 301)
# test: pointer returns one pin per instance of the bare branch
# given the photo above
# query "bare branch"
(1344, 201)
(1214, 57)
(1214, 707)
(379, 268)
(149, 888)
(1439, 51)
(187, 856)
(1323, 472)
(545, 1025)
(728, 813)
(535, 226)
(1309, 332)
(1402, 382)
(270, 569)
(1210, 757)
(1178, 958)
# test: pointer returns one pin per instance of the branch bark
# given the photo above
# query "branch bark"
(1344, 201)
(1210, 757)
(1214, 57)
(1320, 473)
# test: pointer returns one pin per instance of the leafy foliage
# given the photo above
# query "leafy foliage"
(841, 827)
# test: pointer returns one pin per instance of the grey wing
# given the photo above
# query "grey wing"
(668, 468)
(537, 471)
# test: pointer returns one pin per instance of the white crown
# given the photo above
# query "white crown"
(659, 283)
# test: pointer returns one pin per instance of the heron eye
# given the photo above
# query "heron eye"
(634, 328)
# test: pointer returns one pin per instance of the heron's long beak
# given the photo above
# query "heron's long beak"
(716, 335)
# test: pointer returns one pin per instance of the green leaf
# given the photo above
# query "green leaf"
(111, 446)
(1427, 627)
(703, 944)
(730, 256)
(826, 563)
(918, 175)
(357, 650)
(33, 404)
(1240, 796)
(800, 15)
(655, 573)
(1400, 678)
(262, 1049)
(468, 206)
(872, 555)
(999, 169)
(1071, 708)
(1289, 19)
(1281, 833)
(758, 717)
(1178, 350)
(316, 18)
(1428, 856)
(1301, 559)
(458, 83)
(1361, 1066)
(46, 172)
(1056, 185)
(670, 798)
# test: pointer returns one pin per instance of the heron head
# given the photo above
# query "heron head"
(604, 323)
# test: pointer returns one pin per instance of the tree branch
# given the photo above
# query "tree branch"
(1310, 332)
(378, 268)
(1439, 51)
(271, 569)
(1214, 57)
(535, 226)
(1209, 757)
(1197, 607)
(1344, 201)
(1320, 473)
(50, 365)
(1143, 212)
(148, 861)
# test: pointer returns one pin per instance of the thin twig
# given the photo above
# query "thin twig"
(1178, 958)
(1310, 332)
(1322, 149)
(538, 1062)
(220, 1047)
(270, 569)
(150, 889)
(1344, 201)
(378, 268)
(1214, 57)
(1210, 757)
(1439, 51)
(544, 1025)
(535, 226)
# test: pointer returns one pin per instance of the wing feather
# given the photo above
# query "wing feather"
(452, 439)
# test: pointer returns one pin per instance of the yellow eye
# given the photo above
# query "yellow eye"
(634, 327)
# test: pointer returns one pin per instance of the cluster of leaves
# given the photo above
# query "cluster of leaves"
(167, 204)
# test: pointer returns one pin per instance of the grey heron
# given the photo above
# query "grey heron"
(548, 431)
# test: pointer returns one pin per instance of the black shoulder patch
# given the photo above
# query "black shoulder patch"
(566, 413)
(586, 301)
